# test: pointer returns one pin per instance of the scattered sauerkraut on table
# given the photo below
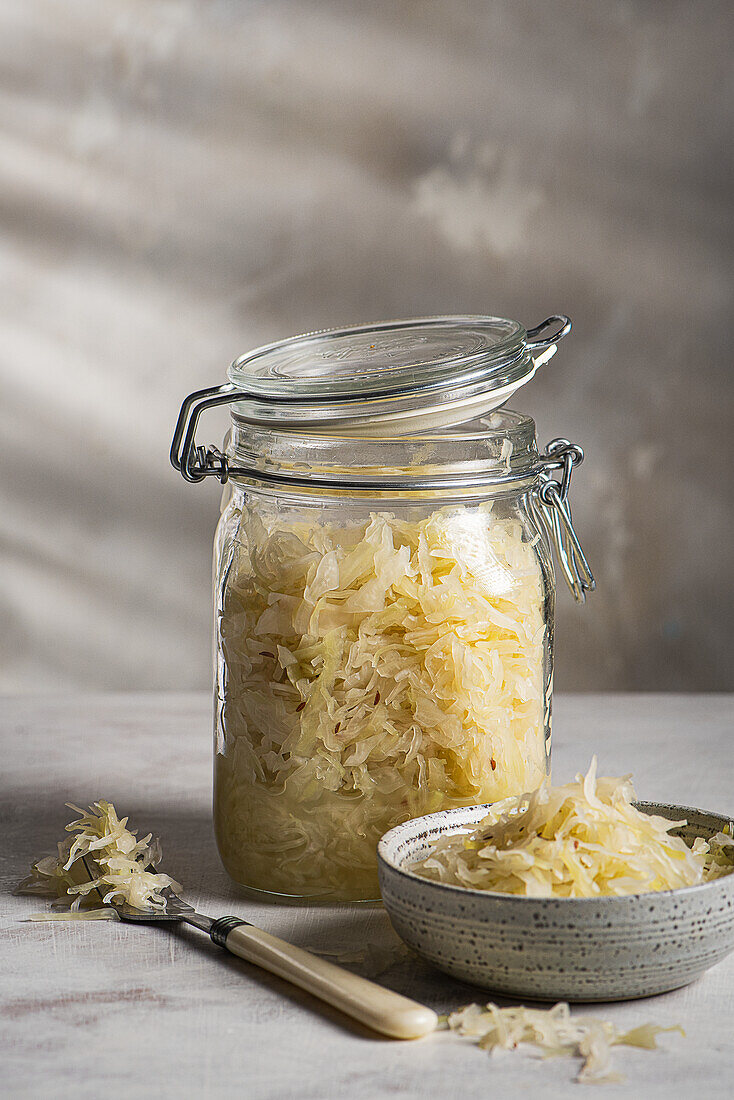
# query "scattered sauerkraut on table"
(581, 840)
(370, 671)
(102, 862)
(553, 1031)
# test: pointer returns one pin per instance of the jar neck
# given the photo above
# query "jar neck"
(496, 453)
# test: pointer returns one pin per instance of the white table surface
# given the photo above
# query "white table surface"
(147, 1011)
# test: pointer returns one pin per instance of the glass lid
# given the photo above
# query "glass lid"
(432, 370)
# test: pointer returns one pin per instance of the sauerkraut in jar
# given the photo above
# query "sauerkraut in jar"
(384, 593)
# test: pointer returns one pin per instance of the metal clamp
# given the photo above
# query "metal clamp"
(545, 342)
(196, 463)
(561, 454)
(549, 502)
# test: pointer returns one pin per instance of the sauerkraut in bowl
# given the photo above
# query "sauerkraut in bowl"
(377, 660)
(586, 839)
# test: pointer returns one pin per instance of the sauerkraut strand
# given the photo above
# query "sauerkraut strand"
(581, 840)
(101, 845)
(370, 671)
(553, 1031)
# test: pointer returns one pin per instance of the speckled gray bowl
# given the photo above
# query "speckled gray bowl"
(571, 949)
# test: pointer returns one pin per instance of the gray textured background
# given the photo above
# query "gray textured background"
(181, 180)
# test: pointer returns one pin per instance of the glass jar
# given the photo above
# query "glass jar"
(384, 591)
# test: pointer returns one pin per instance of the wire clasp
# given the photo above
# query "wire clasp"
(196, 462)
(550, 504)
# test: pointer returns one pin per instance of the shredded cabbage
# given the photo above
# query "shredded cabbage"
(553, 1031)
(103, 862)
(369, 672)
(581, 840)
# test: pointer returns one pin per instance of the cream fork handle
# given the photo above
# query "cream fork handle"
(380, 1009)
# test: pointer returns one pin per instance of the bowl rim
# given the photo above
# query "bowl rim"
(384, 861)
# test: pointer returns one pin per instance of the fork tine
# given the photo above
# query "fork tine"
(176, 908)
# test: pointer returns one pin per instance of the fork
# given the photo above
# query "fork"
(378, 1008)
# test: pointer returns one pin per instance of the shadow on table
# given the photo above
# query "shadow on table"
(382, 958)
(36, 823)
(357, 937)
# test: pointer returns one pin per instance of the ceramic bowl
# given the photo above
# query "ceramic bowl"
(571, 949)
